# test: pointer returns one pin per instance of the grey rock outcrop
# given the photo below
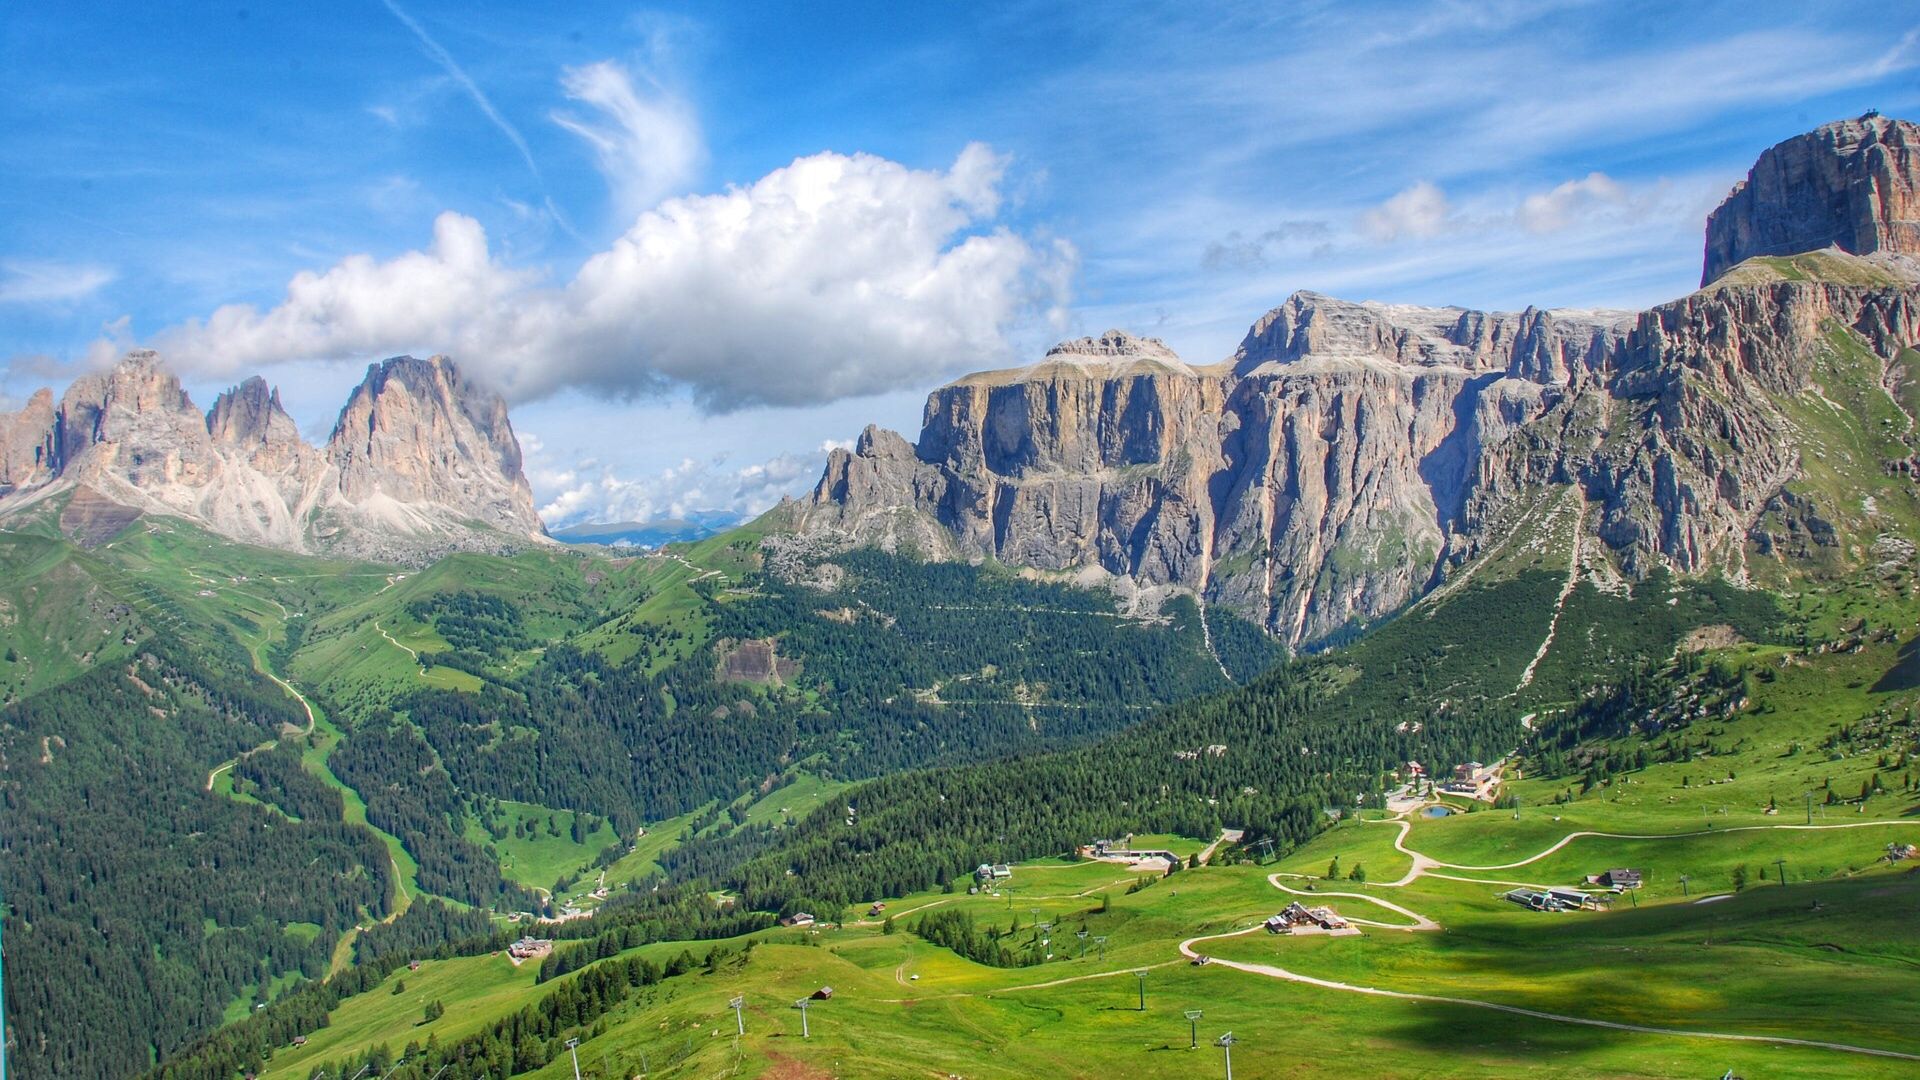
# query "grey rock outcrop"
(27, 443)
(421, 462)
(1853, 184)
(418, 441)
(1349, 456)
(1314, 478)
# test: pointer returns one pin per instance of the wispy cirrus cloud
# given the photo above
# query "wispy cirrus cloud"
(439, 55)
(646, 139)
(31, 282)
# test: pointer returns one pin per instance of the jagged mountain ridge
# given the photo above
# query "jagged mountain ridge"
(1349, 457)
(421, 460)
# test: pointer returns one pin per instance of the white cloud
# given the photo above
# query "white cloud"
(1423, 211)
(1419, 211)
(687, 487)
(1551, 211)
(834, 276)
(360, 307)
(649, 143)
(27, 282)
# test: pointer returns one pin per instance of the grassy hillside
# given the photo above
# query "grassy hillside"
(1727, 952)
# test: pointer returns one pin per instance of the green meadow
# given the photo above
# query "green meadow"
(1824, 957)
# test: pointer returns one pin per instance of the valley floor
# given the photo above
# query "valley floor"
(1446, 978)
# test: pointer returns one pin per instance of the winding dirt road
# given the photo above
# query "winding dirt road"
(1424, 865)
(1273, 972)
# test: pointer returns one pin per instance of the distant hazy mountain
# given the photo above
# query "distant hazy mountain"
(650, 534)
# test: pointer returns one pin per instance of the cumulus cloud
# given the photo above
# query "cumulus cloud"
(1551, 211)
(1423, 211)
(26, 282)
(1419, 211)
(600, 493)
(360, 307)
(647, 140)
(834, 276)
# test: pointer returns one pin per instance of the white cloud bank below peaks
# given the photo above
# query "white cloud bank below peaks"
(834, 276)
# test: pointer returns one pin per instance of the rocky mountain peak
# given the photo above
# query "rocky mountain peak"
(1114, 354)
(1853, 184)
(134, 420)
(27, 442)
(250, 413)
(421, 455)
(1114, 345)
(139, 384)
(875, 440)
(420, 431)
(1323, 331)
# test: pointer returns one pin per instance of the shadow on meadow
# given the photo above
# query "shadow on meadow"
(1905, 672)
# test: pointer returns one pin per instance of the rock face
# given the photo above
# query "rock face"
(416, 434)
(1851, 185)
(421, 461)
(27, 444)
(1316, 477)
(1350, 457)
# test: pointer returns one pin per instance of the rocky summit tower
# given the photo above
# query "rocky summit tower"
(1850, 184)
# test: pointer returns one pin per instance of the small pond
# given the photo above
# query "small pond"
(1435, 811)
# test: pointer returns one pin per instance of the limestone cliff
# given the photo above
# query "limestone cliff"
(27, 443)
(1853, 185)
(1350, 457)
(421, 462)
(419, 447)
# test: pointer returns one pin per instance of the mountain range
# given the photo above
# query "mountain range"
(1348, 458)
(1344, 461)
(651, 533)
(421, 461)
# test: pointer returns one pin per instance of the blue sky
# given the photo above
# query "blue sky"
(697, 243)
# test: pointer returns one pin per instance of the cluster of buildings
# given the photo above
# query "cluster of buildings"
(1616, 879)
(1122, 850)
(1298, 918)
(988, 873)
(1468, 778)
(1558, 899)
(528, 948)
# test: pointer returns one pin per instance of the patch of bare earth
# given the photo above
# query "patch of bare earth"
(756, 661)
(1717, 636)
(782, 1067)
(91, 519)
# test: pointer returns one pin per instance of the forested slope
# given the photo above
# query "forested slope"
(140, 906)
